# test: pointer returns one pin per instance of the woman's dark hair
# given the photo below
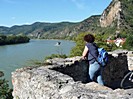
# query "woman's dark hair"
(89, 38)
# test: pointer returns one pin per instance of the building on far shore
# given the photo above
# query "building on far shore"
(118, 42)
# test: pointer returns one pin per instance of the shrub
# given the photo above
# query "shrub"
(99, 39)
(129, 43)
(56, 56)
(5, 91)
(77, 50)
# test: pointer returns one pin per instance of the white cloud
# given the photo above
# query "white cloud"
(79, 3)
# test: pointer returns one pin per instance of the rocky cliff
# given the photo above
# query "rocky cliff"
(67, 79)
(111, 13)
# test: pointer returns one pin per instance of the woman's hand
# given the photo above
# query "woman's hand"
(84, 57)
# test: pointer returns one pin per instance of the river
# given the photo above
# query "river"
(21, 55)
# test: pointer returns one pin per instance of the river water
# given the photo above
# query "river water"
(21, 55)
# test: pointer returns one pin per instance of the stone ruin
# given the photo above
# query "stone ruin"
(113, 73)
(67, 79)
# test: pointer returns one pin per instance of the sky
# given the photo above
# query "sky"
(22, 12)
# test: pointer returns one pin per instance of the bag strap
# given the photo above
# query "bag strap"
(95, 58)
(94, 44)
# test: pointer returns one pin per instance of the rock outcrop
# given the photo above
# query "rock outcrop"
(67, 79)
(111, 13)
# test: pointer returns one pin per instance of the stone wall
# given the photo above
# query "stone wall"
(130, 60)
(43, 83)
(67, 79)
(113, 72)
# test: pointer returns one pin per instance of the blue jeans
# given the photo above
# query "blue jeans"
(96, 71)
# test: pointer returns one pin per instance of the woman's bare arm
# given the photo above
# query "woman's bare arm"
(85, 52)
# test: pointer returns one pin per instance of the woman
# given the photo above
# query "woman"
(91, 51)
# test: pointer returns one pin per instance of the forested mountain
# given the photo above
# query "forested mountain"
(116, 19)
(39, 28)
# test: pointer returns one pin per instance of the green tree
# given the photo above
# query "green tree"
(129, 43)
(99, 40)
(2, 39)
(78, 49)
(13, 39)
(5, 91)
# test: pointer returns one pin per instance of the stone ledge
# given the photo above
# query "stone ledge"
(43, 83)
(67, 79)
